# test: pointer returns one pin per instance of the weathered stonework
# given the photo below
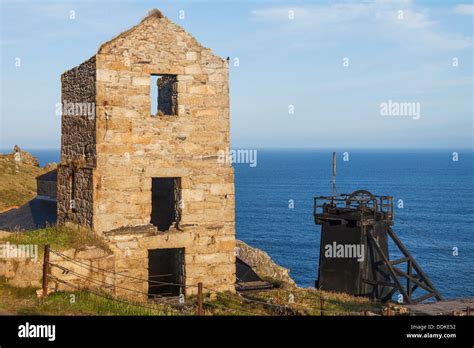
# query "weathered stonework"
(78, 144)
(113, 157)
(24, 272)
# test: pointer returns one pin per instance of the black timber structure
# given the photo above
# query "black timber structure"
(363, 220)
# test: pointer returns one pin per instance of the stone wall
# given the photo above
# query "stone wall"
(133, 147)
(78, 151)
(46, 184)
(209, 258)
(26, 272)
(22, 272)
(75, 184)
(78, 86)
(84, 274)
(46, 188)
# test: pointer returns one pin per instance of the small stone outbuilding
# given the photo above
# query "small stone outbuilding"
(46, 185)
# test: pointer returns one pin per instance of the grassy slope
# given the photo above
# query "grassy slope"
(306, 302)
(17, 188)
(23, 301)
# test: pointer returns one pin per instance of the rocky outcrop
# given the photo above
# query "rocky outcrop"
(23, 157)
(263, 265)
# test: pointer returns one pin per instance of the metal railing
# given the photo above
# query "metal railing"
(369, 205)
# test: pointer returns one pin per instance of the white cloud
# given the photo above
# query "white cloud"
(398, 21)
(464, 9)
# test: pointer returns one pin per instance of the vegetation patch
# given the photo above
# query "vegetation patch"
(308, 301)
(58, 237)
(23, 301)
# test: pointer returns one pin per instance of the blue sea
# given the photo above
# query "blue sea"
(436, 219)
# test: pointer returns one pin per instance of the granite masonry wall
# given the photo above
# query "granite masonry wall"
(131, 147)
(77, 144)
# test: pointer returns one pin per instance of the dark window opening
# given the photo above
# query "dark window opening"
(166, 276)
(72, 192)
(164, 95)
(165, 202)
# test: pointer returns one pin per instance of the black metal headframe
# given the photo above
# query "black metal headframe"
(367, 208)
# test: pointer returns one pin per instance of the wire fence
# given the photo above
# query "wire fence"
(108, 297)
(221, 302)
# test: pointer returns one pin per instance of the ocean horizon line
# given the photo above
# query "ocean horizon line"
(321, 149)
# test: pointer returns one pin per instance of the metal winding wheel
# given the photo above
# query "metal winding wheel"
(362, 197)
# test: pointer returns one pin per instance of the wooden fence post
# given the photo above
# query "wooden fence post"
(200, 310)
(321, 300)
(468, 311)
(45, 270)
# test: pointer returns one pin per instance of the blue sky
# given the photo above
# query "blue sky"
(291, 56)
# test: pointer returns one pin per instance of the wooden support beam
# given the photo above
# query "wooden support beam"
(398, 261)
(379, 282)
(424, 297)
(415, 265)
(414, 280)
(390, 268)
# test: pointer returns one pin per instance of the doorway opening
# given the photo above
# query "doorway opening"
(166, 276)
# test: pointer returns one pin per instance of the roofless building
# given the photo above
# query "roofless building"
(143, 122)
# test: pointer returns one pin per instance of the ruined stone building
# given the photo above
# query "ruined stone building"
(142, 169)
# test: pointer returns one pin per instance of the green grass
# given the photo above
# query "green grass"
(298, 301)
(227, 304)
(306, 302)
(87, 303)
(23, 301)
(58, 237)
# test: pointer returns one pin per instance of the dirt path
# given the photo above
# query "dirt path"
(442, 307)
